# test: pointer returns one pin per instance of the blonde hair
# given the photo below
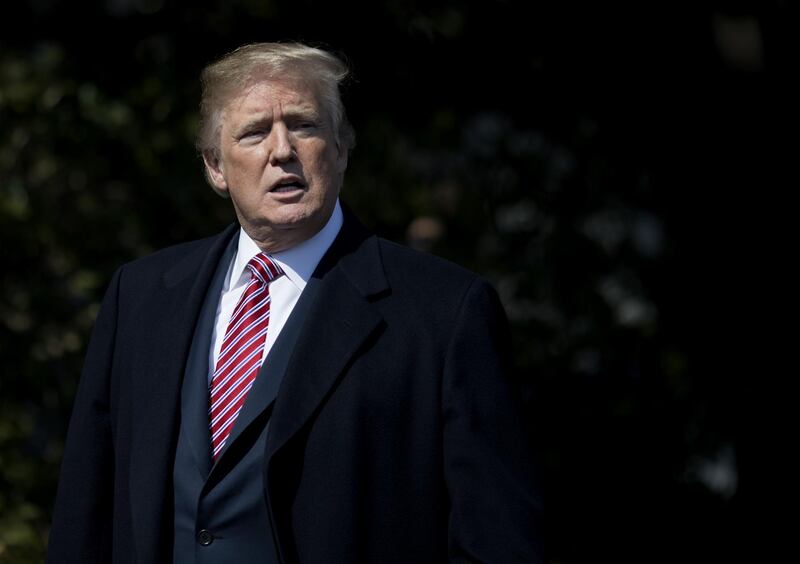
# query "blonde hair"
(227, 77)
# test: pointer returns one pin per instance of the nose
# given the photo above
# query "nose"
(280, 149)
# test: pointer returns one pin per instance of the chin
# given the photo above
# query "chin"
(298, 217)
(290, 215)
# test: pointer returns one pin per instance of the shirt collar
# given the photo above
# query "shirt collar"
(299, 262)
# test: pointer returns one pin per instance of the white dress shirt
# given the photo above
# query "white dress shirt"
(298, 264)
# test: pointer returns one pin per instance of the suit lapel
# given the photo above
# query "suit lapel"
(265, 389)
(170, 316)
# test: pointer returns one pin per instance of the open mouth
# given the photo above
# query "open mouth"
(288, 186)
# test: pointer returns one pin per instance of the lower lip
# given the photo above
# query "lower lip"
(287, 193)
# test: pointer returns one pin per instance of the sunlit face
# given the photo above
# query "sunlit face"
(279, 161)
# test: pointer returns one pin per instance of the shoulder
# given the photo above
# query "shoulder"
(404, 265)
(134, 282)
(433, 283)
(165, 260)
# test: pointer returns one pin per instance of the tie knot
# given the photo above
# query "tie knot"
(264, 268)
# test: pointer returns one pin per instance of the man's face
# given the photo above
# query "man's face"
(280, 162)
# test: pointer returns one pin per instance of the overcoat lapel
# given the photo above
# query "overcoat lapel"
(340, 320)
(170, 316)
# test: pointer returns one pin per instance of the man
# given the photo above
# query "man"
(294, 389)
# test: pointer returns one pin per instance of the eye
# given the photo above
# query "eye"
(252, 135)
(304, 125)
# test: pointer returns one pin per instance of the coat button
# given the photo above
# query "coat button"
(205, 538)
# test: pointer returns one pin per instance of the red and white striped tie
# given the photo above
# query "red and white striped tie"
(242, 348)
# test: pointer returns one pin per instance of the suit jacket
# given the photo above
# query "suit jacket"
(394, 436)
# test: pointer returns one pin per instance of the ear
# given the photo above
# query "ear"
(215, 170)
(341, 158)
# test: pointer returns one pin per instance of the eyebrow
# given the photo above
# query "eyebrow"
(292, 113)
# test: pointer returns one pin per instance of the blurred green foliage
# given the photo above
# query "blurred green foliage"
(466, 148)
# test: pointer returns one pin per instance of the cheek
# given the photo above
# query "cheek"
(244, 162)
(326, 165)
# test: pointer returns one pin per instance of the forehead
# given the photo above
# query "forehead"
(270, 95)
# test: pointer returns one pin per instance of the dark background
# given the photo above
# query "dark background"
(614, 171)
